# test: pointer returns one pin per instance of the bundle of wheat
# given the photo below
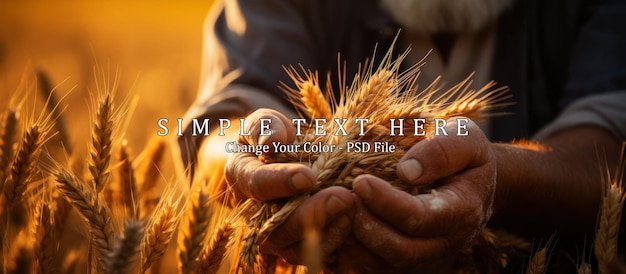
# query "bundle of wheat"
(126, 224)
(379, 95)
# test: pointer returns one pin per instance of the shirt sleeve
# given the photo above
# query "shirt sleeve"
(247, 43)
(607, 111)
(595, 90)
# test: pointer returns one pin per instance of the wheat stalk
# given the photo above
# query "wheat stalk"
(21, 171)
(538, 262)
(376, 95)
(128, 194)
(8, 134)
(94, 212)
(193, 230)
(101, 143)
(148, 174)
(124, 256)
(45, 245)
(584, 268)
(159, 233)
(216, 249)
(605, 245)
(313, 101)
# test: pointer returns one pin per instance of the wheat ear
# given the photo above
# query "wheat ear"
(193, 231)
(216, 250)
(94, 212)
(8, 135)
(605, 245)
(124, 256)
(21, 171)
(101, 142)
(538, 262)
(128, 196)
(148, 174)
(45, 246)
(158, 236)
(308, 97)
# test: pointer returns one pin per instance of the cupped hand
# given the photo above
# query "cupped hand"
(250, 178)
(405, 230)
(329, 211)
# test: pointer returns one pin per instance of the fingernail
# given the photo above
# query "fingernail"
(263, 139)
(411, 168)
(363, 189)
(301, 182)
(335, 205)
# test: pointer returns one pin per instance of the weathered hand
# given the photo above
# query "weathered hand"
(251, 178)
(406, 230)
(329, 211)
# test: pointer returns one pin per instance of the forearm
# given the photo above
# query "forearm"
(557, 190)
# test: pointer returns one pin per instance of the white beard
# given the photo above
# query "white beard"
(427, 17)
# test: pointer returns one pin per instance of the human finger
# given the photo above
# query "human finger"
(395, 247)
(441, 156)
(251, 178)
(276, 128)
(329, 212)
(445, 210)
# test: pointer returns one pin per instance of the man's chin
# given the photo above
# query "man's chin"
(428, 17)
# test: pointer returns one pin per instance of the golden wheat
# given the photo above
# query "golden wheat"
(159, 233)
(124, 256)
(21, 171)
(193, 231)
(216, 249)
(374, 94)
(9, 130)
(101, 143)
(538, 262)
(94, 212)
(148, 175)
(47, 241)
(313, 101)
(45, 245)
(605, 244)
(128, 193)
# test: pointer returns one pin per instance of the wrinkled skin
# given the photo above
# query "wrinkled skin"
(383, 227)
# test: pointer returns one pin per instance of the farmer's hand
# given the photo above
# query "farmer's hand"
(329, 210)
(404, 230)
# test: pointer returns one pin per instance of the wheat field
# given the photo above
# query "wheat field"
(87, 187)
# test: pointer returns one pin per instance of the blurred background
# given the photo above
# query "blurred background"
(155, 46)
